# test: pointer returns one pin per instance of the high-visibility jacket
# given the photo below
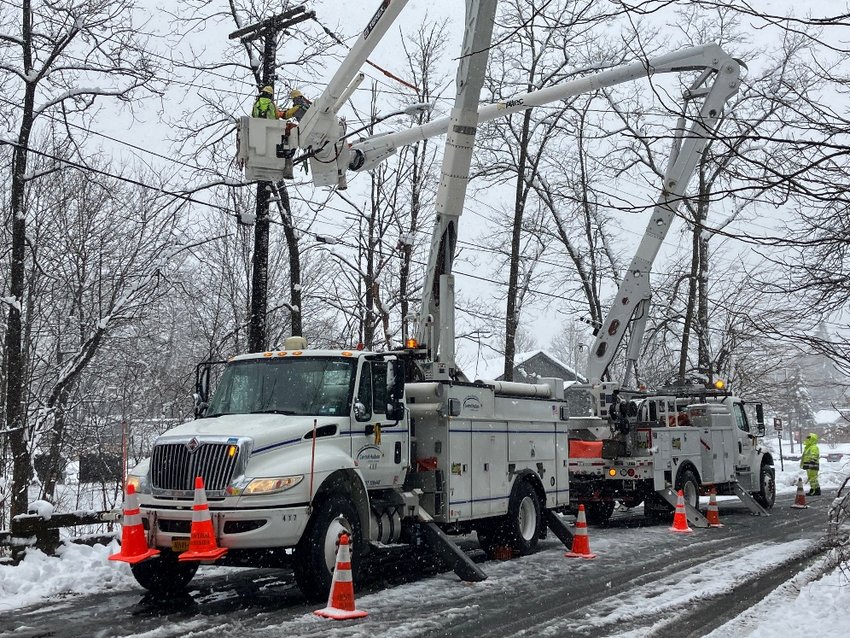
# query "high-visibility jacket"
(811, 453)
(264, 107)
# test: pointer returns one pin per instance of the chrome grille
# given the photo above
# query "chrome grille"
(173, 467)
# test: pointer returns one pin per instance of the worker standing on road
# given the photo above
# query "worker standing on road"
(810, 461)
(264, 106)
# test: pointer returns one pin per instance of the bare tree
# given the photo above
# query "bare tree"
(66, 61)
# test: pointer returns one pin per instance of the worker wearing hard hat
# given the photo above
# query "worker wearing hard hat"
(810, 461)
(264, 106)
(299, 107)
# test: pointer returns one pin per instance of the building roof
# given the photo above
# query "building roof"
(493, 369)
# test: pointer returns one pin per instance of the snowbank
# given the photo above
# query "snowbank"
(77, 570)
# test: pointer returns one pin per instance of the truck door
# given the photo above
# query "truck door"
(745, 438)
(378, 444)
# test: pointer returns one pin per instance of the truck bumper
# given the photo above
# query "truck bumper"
(234, 528)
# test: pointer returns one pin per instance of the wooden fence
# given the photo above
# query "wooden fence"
(42, 532)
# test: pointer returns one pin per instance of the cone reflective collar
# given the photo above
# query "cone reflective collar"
(341, 599)
(202, 544)
(680, 518)
(800, 499)
(134, 543)
(713, 515)
(581, 542)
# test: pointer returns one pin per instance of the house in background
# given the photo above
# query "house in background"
(529, 367)
(832, 426)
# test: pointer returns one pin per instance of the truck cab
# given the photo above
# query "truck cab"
(282, 430)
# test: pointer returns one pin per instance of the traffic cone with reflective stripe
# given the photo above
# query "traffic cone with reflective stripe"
(713, 515)
(800, 499)
(680, 518)
(202, 545)
(341, 599)
(134, 544)
(581, 543)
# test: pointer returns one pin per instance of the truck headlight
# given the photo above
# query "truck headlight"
(139, 483)
(272, 485)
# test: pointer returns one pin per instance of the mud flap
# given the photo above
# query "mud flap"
(453, 555)
(558, 527)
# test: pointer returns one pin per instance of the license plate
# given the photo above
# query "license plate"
(179, 544)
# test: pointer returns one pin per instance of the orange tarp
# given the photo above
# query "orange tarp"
(585, 449)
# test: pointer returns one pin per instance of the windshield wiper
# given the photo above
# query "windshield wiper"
(272, 411)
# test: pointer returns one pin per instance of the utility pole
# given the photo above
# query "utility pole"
(268, 29)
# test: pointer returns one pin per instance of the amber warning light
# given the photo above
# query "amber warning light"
(412, 344)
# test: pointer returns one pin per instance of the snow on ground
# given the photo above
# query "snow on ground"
(77, 570)
(804, 605)
(799, 604)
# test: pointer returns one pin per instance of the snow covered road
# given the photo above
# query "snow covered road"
(646, 581)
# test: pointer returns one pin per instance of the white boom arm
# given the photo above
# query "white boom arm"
(717, 83)
(264, 144)
(323, 136)
(436, 318)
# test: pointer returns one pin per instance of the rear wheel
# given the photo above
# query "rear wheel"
(315, 555)
(689, 484)
(766, 495)
(519, 529)
(164, 574)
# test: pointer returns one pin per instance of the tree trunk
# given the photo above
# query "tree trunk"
(512, 309)
(13, 346)
(295, 298)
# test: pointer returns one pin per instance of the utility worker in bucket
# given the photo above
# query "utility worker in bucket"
(299, 107)
(264, 106)
(810, 461)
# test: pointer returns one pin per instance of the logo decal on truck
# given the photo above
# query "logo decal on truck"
(472, 403)
(369, 456)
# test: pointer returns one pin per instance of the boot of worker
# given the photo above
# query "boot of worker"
(816, 491)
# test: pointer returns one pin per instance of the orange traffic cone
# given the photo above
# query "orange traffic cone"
(800, 499)
(341, 599)
(202, 545)
(581, 543)
(713, 515)
(680, 519)
(134, 544)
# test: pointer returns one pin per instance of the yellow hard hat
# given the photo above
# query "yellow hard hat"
(295, 93)
(267, 89)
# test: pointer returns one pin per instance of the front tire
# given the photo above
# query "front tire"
(164, 574)
(766, 496)
(315, 555)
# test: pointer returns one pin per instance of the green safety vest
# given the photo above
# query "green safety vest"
(264, 107)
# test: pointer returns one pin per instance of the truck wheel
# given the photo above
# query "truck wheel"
(766, 495)
(165, 574)
(598, 512)
(315, 554)
(689, 484)
(523, 520)
(519, 529)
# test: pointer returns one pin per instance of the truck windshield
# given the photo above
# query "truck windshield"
(312, 386)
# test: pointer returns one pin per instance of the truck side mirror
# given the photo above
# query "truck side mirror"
(395, 390)
(760, 419)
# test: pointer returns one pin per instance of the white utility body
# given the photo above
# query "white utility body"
(398, 448)
(652, 444)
